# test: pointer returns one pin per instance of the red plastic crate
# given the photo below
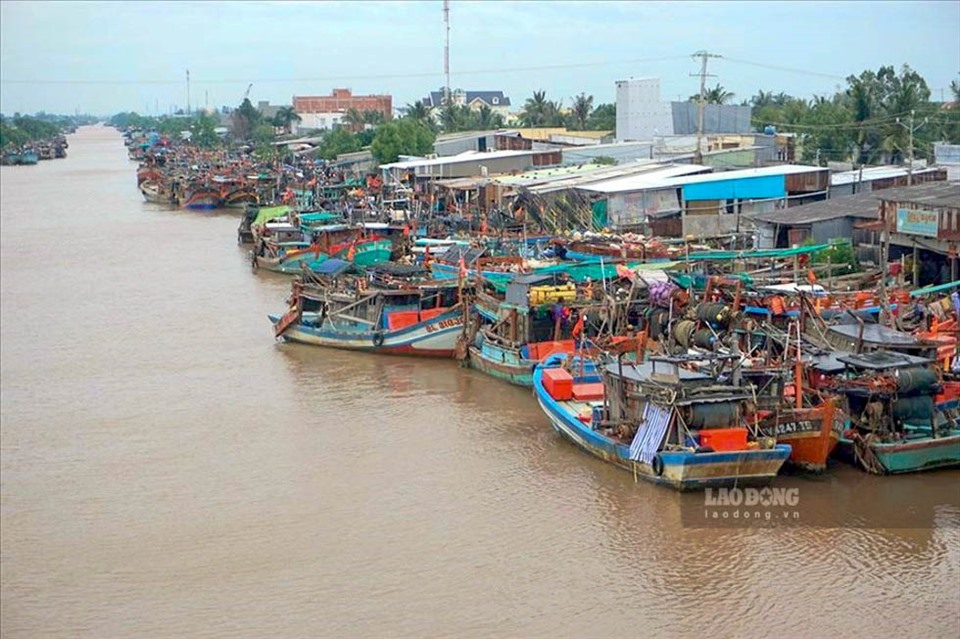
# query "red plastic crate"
(587, 392)
(558, 383)
(724, 439)
(402, 319)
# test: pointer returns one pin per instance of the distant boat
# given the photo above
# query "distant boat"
(241, 197)
(200, 198)
(153, 192)
(29, 156)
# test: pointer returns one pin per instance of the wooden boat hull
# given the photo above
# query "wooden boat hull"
(290, 265)
(680, 470)
(368, 253)
(436, 337)
(240, 199)
(505, 364)
(811, 433)
(153, 195)
(201, 201)
(909, 456)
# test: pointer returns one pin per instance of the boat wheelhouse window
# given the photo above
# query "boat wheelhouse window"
(311, 306)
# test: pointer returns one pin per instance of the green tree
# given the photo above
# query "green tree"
(716, 95)
(285, 118)
(603, 118)
(203, 132)
(401, 137)
(582, 109)
(353, 120)
(536, 110)
(418, 111)
(245, 119)
(486, 119)
(338, 141)
(456, 117)
(373, 118)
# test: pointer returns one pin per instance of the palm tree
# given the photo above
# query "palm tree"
(535, 109)
(285, 117)
(582, 108)
(353, 120)
(486, 119)
(456, 117)
(716, 95)
(373, 118)
(418, 111)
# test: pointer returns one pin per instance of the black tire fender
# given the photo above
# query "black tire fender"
(657, 465)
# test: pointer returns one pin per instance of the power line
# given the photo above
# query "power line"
(431, 74)
(786, 69)
(887, 119)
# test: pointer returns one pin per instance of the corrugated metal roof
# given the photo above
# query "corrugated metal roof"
(645, 180)
(469, 156)
(861, 205)
(682, 179)
(944, 194)
(875, 173)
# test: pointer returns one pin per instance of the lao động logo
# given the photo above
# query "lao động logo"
(743, 507)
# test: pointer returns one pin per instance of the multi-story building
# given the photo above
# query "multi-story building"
(326, 111)
(496, 100)
(643, 116)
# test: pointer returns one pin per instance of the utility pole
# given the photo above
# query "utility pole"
(188, 91)
(446, 52)
(911, 129)
(704, 56)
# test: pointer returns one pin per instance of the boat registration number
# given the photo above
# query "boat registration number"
(804, 426)
(447, 323)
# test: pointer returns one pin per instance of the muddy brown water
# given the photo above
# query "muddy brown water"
(168, 470)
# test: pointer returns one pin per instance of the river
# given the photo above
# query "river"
(169, 470)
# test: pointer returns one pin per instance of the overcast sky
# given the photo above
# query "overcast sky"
(133, 55)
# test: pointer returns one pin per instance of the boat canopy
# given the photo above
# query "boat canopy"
(331, 267)
(755, 254)
(318, 217)
(270, 213)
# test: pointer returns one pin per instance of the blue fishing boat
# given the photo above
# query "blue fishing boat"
(895, 424)
(514, 330)
(422, 319)
(29, 155)
(658, 420)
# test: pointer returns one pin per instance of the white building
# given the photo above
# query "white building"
(641, 115)
(317, 121)
(948, 157)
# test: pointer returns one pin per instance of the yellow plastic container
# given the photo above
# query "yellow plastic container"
(552, 294)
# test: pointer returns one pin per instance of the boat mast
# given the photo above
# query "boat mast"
(446, 52)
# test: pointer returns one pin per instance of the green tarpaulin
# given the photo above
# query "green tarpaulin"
(270, 213)
(756, 254)
(935, 289)
(599, 214)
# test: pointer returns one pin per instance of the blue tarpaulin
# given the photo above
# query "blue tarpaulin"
(331, 267)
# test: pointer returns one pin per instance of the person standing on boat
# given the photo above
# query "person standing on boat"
(560, 314)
